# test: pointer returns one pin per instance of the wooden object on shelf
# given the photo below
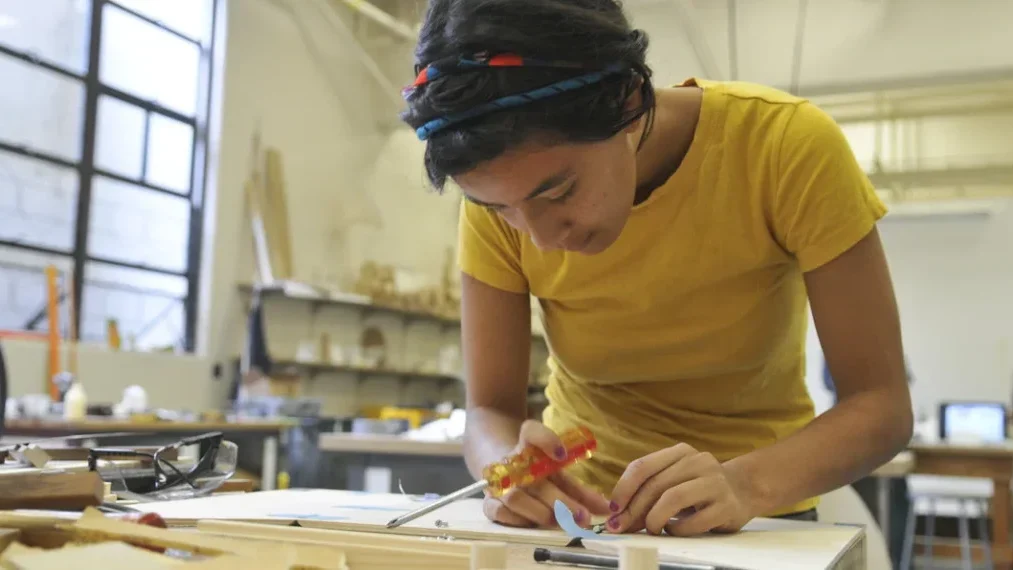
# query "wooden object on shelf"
(265, 198)
(60, 491)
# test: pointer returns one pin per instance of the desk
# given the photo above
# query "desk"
(993, 462)
(269, 431)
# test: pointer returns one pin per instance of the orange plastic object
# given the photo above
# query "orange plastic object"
(533, 464)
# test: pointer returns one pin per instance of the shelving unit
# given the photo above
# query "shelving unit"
(322, 299)
(313, 368)
(351, 302)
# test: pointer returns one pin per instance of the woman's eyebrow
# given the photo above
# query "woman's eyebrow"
(544, 186)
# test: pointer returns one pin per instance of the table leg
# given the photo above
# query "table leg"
(269, 467)
(883, 505)
(1002, 512)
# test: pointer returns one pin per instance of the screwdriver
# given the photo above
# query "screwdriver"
(529, 465)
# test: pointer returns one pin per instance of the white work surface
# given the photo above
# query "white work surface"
(763, 544)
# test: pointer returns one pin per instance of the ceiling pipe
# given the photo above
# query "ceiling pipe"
(382, 18)
(697, 40)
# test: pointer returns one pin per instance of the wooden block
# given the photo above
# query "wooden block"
(59, 491)
(638, 558)
(8, 536)
(489, 556)
(235, 486)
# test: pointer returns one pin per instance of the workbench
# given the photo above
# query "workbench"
(763, 544)
(269, 433)
(421, 466)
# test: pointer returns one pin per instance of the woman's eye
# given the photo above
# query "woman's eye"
(562, 197)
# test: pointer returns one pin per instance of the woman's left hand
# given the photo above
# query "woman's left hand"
(680, 491)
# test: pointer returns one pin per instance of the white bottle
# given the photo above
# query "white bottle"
(75, 402)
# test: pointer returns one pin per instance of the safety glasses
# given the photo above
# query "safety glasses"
(216, 463)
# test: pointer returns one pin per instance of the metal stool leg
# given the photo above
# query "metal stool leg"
(965, 535)
(907, 552)
(930, 532)
(986, 542)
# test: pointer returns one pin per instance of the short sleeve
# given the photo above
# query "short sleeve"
(489, 249)
(824, 202)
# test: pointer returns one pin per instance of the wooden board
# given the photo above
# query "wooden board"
(764, 543)
(51, 490)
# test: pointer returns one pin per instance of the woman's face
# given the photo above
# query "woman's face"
(574, 197)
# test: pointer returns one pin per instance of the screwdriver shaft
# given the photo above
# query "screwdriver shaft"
(442, 501)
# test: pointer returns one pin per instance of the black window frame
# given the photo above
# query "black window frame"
(94, 88)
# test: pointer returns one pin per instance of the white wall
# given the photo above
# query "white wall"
(953, 275)
(292, 73)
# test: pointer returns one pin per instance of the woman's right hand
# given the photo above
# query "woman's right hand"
(532, 505)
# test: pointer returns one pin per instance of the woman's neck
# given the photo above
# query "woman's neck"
(677, 110)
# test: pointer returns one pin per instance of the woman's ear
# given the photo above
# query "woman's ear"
(634, 101)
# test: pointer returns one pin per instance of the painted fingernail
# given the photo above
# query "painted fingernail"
(578, 516)
(614, 523)
(614, 506)
(560, 452)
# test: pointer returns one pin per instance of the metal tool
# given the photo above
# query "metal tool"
(528, 466)
(605, 561)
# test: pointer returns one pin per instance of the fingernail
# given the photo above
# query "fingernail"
(614, 523)
(560, 452)
(578, 516)
(614, 506)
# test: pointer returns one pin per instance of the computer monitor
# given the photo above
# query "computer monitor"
(975, 421)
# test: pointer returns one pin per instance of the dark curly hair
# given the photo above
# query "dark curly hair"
(594, 34)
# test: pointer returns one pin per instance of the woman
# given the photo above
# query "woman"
(673, 237)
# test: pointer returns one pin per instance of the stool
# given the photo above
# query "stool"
(930, 499)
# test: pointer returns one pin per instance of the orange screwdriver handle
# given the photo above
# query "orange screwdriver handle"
(532, 464)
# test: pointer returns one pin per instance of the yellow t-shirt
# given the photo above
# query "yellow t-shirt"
(691, 327)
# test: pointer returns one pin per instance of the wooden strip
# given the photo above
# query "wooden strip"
(335, 537)
(53, 313)
(34, 490)
(495, 532)
(281, 240)
(93, 526)
(362, 550)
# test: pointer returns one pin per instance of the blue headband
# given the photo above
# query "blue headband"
(571, 84)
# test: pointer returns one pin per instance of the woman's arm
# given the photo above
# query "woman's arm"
(856, 318)
(496, 348)
(497, 353)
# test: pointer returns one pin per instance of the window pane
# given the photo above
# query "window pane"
(136, 225)
(23, 287)
(148, 307)
(40, 109)
(119, 137)
(188, 17)
(148, 62)
(38, 202)
(170, 144)
(53, 30)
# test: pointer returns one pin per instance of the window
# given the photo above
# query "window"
(102, 151)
